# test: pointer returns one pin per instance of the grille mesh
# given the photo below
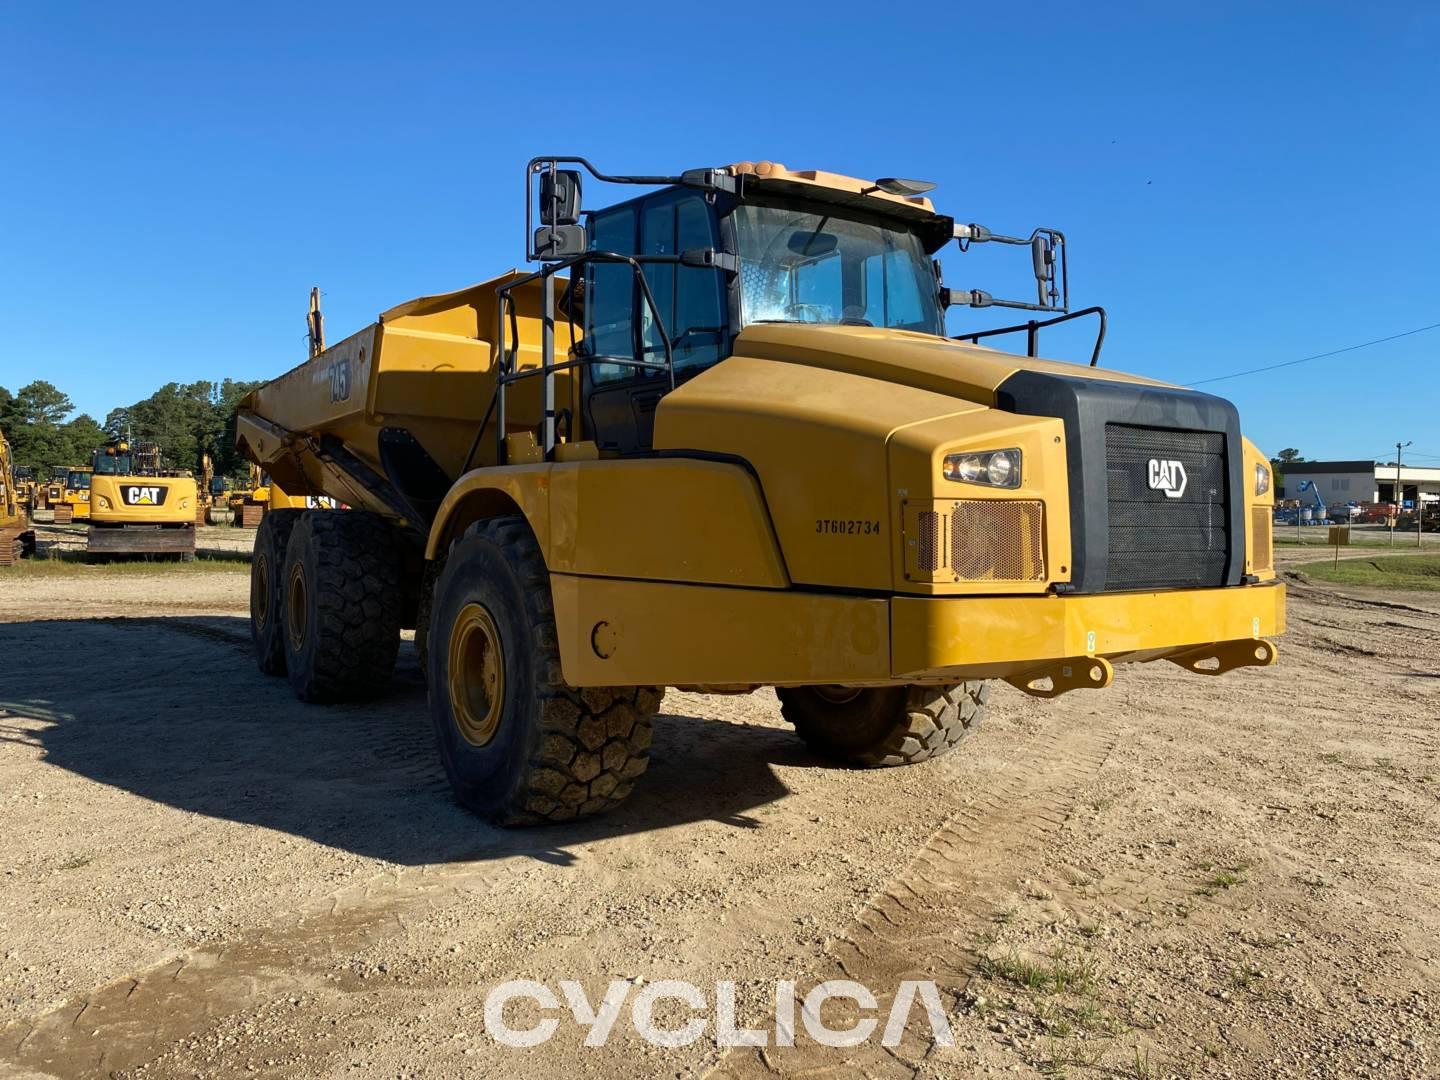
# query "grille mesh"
(1157, 541)
(1261, 555)
(927, 557)
(998, 540)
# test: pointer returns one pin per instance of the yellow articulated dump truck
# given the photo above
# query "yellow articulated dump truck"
(17, 539)
(138, 506)
(721, 439)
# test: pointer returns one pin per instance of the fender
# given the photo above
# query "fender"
(653, 519)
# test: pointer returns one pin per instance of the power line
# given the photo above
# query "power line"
(1317, 356)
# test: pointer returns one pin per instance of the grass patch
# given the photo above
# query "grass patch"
(1226, 877)
(73, 564)
(1416, 572)
(1242, 978)
(1059, 974)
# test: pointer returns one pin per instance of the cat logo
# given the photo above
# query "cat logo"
(143, 495)
(1167, 476)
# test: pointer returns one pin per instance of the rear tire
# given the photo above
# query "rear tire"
(342, 597)
(267, 590)
(520, 746)
(884, 726)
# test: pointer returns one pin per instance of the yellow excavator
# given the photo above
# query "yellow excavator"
(17, 539)
(138, 506)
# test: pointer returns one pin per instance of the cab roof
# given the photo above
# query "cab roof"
(819, 186)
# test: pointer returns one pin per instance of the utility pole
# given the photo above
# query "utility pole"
(1399, 493)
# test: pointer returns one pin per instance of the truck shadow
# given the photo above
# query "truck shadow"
(174, 710)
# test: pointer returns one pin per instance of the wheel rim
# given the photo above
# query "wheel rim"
(262, 591)
(295, 595)
(477, 675)
(837, 695)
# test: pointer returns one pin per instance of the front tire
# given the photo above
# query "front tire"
(342, 601)
(884, 726)
(520, 747)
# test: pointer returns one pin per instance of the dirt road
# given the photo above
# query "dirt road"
(1178, 876)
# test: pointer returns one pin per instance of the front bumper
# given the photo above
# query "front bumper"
(1002, 636)
(616, 632)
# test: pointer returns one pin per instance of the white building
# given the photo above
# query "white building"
(1360, 482)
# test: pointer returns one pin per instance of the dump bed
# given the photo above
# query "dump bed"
(418, 382)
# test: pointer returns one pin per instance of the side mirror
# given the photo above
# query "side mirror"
(1042, 256)
(559, 197)
(560, 236)
(560, 241)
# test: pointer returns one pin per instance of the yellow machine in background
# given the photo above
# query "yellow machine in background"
(23, 477)
(77, 493)
(17, 539)
(47, 495)
(719, 440)
(248, 504)
(139, 507)
(214, 497)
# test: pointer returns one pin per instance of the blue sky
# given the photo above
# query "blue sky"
(1239, 187)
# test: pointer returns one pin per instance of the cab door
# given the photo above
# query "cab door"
(620, 401)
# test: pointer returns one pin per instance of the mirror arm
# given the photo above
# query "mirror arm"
(980, 298)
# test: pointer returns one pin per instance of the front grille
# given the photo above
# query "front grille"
(1166, 494)
(998, 540)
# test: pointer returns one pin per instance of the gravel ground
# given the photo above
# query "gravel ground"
(200, 876)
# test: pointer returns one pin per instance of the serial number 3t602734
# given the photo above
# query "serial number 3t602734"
(847, 527)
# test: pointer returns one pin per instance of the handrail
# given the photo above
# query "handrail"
(1033, 327)
(507, 352)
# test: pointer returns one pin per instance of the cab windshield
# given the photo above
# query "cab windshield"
(810, 266)
(113, 464)
(78, 481)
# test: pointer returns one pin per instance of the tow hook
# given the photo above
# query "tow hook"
(1223, 656)
(1072, 673)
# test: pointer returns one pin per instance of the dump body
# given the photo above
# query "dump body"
(426, 367)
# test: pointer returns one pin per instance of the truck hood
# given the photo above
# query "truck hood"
(924, 361)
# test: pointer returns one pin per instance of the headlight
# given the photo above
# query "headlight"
(1262, 478)
(184, 504)
(102, 502)
(994, 468)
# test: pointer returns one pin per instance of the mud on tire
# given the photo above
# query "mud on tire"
(520, 746)
(267, 590)
(342, 605)
(884, 726)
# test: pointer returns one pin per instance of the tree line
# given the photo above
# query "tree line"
(187, 420)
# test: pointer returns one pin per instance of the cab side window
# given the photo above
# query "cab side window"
(698, 328)
(689, 300)
(610, 293)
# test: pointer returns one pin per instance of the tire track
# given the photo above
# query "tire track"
(929, 922)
